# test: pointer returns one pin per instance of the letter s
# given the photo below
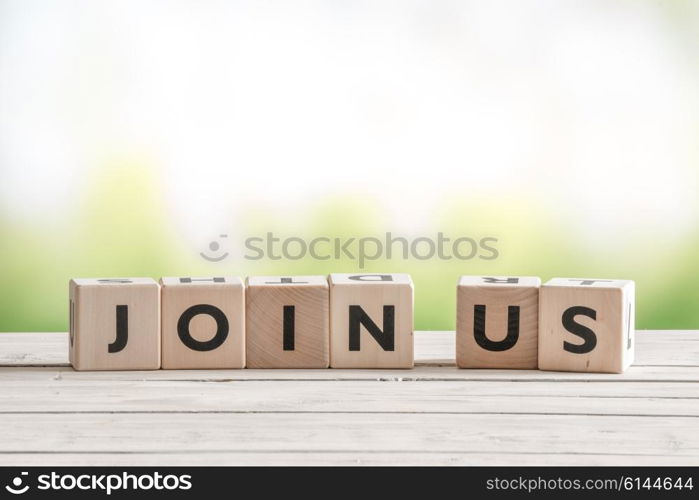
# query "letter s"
(494, 254)
(44, 483)
(569, 323)
(249, 246)
(185, 483)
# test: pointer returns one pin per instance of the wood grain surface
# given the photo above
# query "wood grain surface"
(435, 414)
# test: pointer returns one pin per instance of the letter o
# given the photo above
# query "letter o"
(208, 345)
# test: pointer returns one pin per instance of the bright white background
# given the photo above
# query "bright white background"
(569, 129)
(259, 99)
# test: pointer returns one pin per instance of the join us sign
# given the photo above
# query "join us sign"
(345, 321)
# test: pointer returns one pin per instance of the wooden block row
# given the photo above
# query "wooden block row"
(345, 321)
(568, 324)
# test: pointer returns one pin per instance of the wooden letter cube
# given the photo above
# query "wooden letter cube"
(203, 323)
(114, 324)
(287, 322)
(586, 325)
(371, 321)
(497, 322)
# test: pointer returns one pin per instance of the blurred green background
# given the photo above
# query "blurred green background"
(133, 135)
(122, 229)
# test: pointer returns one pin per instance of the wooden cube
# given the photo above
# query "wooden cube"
(497, 322)
(114, 324)
(586, 325)
(203, 323)
(287, 322)
(371, 321)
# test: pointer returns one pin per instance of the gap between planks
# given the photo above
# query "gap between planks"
(648, 374)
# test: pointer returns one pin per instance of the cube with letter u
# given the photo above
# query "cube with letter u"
(497, 322)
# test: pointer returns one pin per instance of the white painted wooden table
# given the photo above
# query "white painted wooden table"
(434, 414)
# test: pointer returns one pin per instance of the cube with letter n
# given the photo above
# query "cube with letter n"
(371, 321)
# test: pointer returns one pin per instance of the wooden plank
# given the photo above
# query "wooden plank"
(654, 348)
(22, 380)
(357, 397)
(320, 458)
(34, 349)
(409, 434)
(432, 415)
(650, 374)
(18, 390)
(667, 348)
(419, 373)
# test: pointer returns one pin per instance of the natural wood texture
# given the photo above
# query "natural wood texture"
(362, 396)
(586, 325)
(668, 350)
(287, 322)
(438, 414)
(208, 314)
(359, 302)
(484, 306)
(114, 324)
(431, 458)
(421, 373)
(411, 434)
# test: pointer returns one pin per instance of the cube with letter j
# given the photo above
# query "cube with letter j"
(114, 324)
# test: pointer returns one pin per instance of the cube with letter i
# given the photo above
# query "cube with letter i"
(114, 324)
(497, 322)
(203, 322)
(371, 321)
(586, 325)
(287, 322)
